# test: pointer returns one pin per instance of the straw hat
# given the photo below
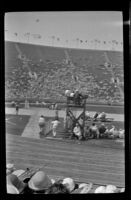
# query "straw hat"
(13, 180)
(111, 189)
(39, 181)
(122, 190)
(69, 183)
(100, 189)
(85, 188)
(12, 190)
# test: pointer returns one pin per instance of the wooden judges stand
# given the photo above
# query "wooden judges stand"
(71, 120)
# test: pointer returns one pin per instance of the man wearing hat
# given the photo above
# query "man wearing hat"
(69, 183)
(14, 184)
(40, 182)
(55, 123)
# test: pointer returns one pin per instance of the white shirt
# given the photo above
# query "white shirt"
(42, 120)
(77, 131)
(55, 123)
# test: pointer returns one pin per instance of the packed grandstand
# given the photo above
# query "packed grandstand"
(40, 73)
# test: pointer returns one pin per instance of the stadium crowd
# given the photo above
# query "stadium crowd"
(48, 78)
(40, 183)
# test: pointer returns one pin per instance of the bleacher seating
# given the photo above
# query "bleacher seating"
(54, 75)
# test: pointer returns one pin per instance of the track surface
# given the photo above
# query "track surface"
(85, 163)
(88, 162)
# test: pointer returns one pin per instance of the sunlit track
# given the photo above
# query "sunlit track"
(97, 178)
(68, 154)
(64, 145)
(64, 162)
(91, 164)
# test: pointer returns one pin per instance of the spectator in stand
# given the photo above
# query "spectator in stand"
(12, 189)
(77, 131)
(42, 124)
(9, 168)
(69, 183)
(39, 183)
(55, 123)
(94, 132)
(83, 188)
(102, 130)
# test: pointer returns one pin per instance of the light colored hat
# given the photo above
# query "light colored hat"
(111, 189)
(71, 94)
(18, 172)
(39, 181)
(85, 188)
(9, 168)
(14, 180)
(52, 181)
(82, 185)
(69, 183)
(67, 92)
(100, 189)
(122, 190)
(12, 190)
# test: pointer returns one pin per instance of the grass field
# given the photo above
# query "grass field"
(15, 124)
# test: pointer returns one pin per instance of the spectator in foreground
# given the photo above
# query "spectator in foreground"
(14, 184)
(57, 188)
(39, 183)
(42, 124)
(83, 188)
(55, 123)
